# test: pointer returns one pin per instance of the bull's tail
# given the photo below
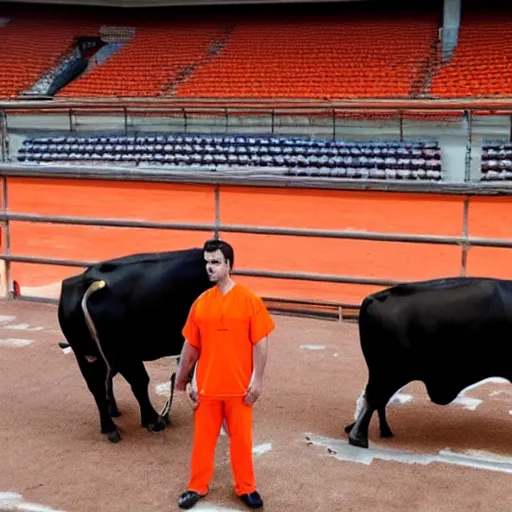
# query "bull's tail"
(95, 286)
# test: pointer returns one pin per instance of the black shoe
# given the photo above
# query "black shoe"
(252, 500)
(189, 498)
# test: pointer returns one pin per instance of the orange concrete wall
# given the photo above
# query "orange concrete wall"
(341, 210)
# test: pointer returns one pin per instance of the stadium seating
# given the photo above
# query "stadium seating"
(33, 45)
(481, 63)
(304, 52)
(355, 55)
(287, 53)
(159, 54)
(496, 161)
(295, 156)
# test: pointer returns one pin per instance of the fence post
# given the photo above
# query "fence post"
(334, 124)
(469, 144)
(465, 235)
(3, 135)
(217, 212)
(125, 111)
(6, 283)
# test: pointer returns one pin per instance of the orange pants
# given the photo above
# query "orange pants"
(207, 422)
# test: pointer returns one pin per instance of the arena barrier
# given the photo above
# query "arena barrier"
(321, 250)
(318, 245)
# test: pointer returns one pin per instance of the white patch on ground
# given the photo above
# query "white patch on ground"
(467, 402)
(163, 388)
(341, 450)
(472, 403)
(400, 398)
(207, 507)
(13, 501)
(15, 342)
(23, 327)
(462, 399)
(5, 319)
(335, 355)
(261, 449)
(397, 398)
(67, 350)
(10, 499)
(312, 347)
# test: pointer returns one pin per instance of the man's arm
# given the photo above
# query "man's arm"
(259, 352)
(189, 356)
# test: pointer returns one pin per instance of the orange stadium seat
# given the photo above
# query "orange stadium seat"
(481, 65)
(344, 56)
(32, 45)
(150, 63)
(265, 53)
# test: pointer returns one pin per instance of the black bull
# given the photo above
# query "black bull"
(122, 312)
(447, 333)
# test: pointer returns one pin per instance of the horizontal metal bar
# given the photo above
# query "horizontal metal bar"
(234, 228)
(31, 298)
(237, 177)
(327, 278)
(258, 104)
(96, 221)
(46, 261)
(291, 307)
(279, 300)
(343, 235)
(262, 230)
(306, 302)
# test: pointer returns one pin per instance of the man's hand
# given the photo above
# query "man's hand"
(192, 394)
(180, 384)
(253, 391)
(188, 358)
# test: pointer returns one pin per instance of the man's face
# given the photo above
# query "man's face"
(216, 265)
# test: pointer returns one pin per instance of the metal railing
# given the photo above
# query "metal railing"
(464, 241)
(466, 109)
(330, 120)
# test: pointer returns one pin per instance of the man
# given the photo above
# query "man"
(226, 334)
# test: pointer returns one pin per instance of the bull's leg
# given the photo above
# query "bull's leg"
(137, 376)
(376, 396)
(95, 374)
(358, 431)
(385, 430)
(112, 404)
(359, 406)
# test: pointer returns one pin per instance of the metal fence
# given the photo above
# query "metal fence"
(215, 228)
(393, 119)
(462, 110)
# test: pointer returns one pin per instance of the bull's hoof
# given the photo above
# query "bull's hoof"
(156, 426)
(358, 441)
(348, 428)
(114, 437)
(386, 432)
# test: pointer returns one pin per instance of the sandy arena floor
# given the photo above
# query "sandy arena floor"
(452, 458)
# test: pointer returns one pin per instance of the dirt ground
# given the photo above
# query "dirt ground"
(451, 458)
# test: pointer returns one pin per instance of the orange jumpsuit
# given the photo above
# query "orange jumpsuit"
(224, 328)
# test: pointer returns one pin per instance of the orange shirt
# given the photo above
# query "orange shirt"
(224, 328)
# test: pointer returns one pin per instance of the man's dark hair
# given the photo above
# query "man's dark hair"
(225, 248)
